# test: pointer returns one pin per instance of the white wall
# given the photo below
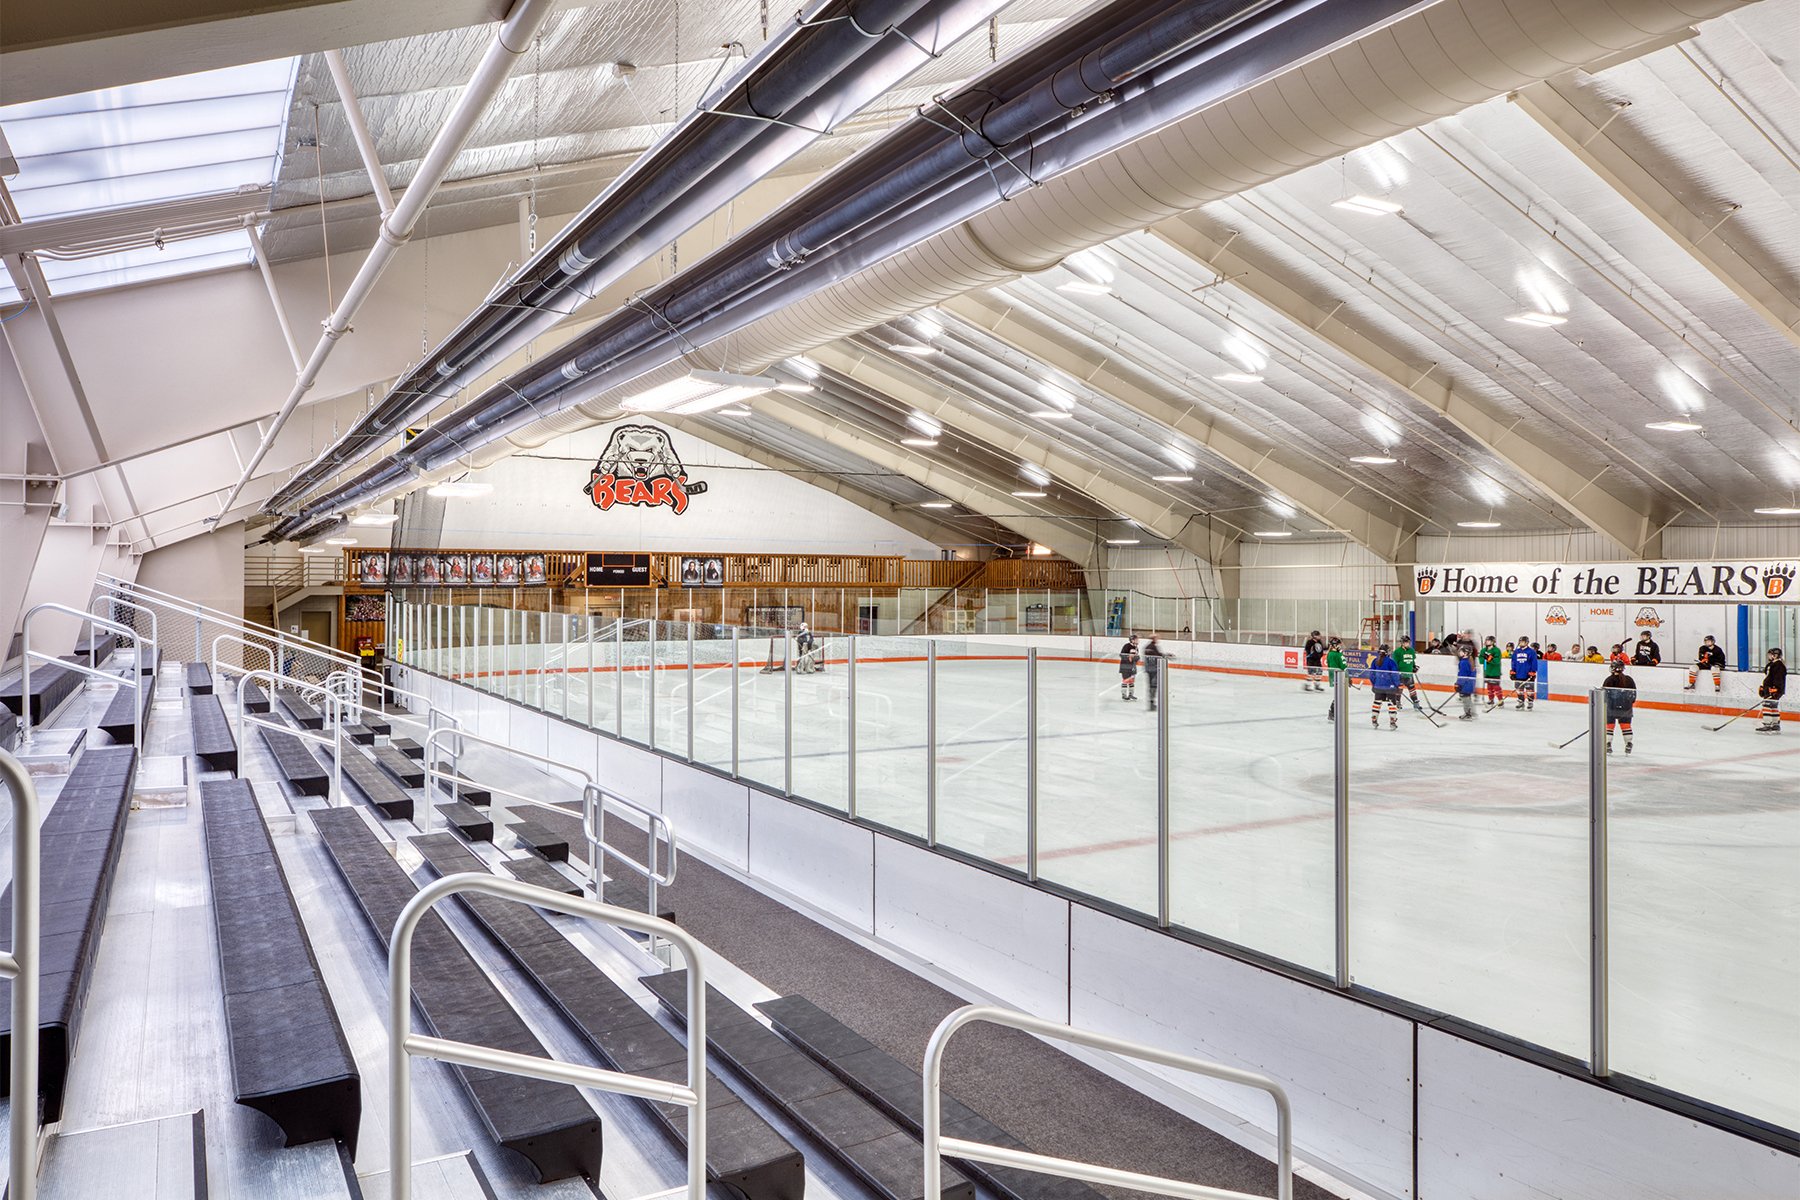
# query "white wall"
(539, 501)
(208, 569)
(1772, 539)
(67, 563)
(1311, 571)
(1161, 572)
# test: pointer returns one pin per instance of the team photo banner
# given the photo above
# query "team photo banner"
(1747, 582)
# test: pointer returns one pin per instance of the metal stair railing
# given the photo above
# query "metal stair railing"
(595, 807)
(435, 717)
(332, 711)
(404, 1045)
(134, 681)
(22, 966)
(434, 773)
(289, 648)
(121, 602)
(937, 1146)
(219, 665)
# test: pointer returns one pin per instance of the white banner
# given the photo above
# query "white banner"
(1750, 582)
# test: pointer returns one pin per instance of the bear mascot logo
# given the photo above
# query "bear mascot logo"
(1777, 579)
(1426, 578)
(639, 466)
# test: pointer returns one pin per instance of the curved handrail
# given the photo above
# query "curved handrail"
(112, 598)
(432, 772)
(245, 642)
(22, 967)
(185, 606)
(937, 1145)
(593, 825)
(404, 1045)
(134, 681)
(335, 741)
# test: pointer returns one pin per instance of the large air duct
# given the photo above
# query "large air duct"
(1259, 111)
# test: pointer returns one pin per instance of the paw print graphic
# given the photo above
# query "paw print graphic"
(1426, 579)
(1777, 579)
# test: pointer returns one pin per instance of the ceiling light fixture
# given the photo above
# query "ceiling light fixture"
(1478, 524)
(1031, 495)
(742, 410)
(458, 489)
(1172, 478)
(1121, 541)
(1274, 533)
(1051, 414)
(1039, 550)
(1374, 460)
(797, 388)
(935, 504)
(912, 348)
(1673, 426)
(312, 549)
(1368, 204)
(1778, 512)
(699, 391)
(340, 541)
(1084, 287)
(1238, 377)
(919, 441)
(374, 518)
(1538, 320)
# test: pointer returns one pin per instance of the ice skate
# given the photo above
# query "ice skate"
(1393, 722)
(1609, 745)
(1466, 717)
(1769, 727)
(1628, 745)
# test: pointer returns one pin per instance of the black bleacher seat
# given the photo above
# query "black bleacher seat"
(468, 793)
(405, 771)
(211, 732)
(96, 648)
(254, 699)
(9, 728)
(871, 1144)
(50, 686)
(408, 747)
(377, 787)
(538, 873)
(299, 711)
(289, 1058)
(550, 847)
(361, 735)
(897, 1089)
(116, 720)
(627, 889)
(199, 679)
(375, 723)
(149, 661)
(296, 763)
(548, 1123)
(743, 1150)
(473, 824)
(79, 844)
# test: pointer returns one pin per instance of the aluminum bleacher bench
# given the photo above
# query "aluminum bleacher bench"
(863, 1138)
(211, 733)
(296, 763)
(405, 771)
(538, 873)
(116, 720)
(468, 821)
(80, 842)
(50, 686)
(289, 1058)
(199, 679)
(408, 747)
(551, 847)
(299, 711)
(254, 699)
(742, 1149)
(97, 648)
(377, 787)
(550, 1124)
(9, 728)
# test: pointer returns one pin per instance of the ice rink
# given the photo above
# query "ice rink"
(1469, 840)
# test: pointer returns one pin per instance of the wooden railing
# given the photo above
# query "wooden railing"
(791, 570)
(1055, 574)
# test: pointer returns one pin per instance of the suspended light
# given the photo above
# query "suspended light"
(1084, 287)
(797, 388)
(699, 391)
(458, 489)
(1538, 320)
(340, 541)
(1274, 533)
(1673, 426)
(1050, 414)
(374, 518)
(1023, 495)
(1369, 205)
(1478, 524)
(924, 442)
(740, 411)
(1172, 478)
(935, 504)
(1121, 541)
(1039, 550)
(1778, 512)
(1374, 460)
(312, 549)
(1238, 377)
(912, 348)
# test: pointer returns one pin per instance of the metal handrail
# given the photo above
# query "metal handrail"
(404, 1045)
(252, 628)
(22, 966)
(155, 634)
(937, 1145)
(246, 643)
(433, 774)
(134, 681)
(335, 715)
(595, 806)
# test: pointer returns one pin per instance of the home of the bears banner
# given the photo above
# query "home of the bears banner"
(639, 466)
(1748, 582)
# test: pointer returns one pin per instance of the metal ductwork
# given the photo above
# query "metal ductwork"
(819, 71)
(1282, 87)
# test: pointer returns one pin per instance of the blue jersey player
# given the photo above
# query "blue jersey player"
(1524, 674)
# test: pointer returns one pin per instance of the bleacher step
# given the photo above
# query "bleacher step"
(473, 824)
(452, 1177)
(546, 845)
(405, 771)
(159, 1159)
(538, 873)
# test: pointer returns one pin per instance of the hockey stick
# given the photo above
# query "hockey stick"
(1745, 713)
(1570, 742)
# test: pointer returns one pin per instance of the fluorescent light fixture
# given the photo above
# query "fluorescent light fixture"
(1172, 478)
(1538, 320)
(935, 504)
(340, 541)
(1040, 495)
(374, 518)
(1274, 533)
(458, 489)
(1369, 205)
(1121, 541)
(925, 425)
(798, 388)
(802, 365)
(699, 391)
(1282, 508)
(312, 549)
(1778, 512)
(1059, 396)
(1373, 460)
(1478, 524)
(912, 348)
(1039, 550)
(1032, 473)
(1084, 287)
(1673, 426)
(742, 410)
(918, 441)
(1238, 377)
(1050, 414)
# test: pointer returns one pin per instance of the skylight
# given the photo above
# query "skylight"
(192, 135)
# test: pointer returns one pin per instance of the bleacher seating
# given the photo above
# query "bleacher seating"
(743, 1150)
(551, 847)
(9, 728)
(473, 824)
(376, 786)
(405, 771)
(94, 649)
(199, 679)
(299, 711)
(289, 1058)
(548, 1123)
(296, 763)
(79, 846)
(408, 747)
(116, 720)
(255, 701)
(877, 1150)
(50, 686)
(212, 738)
(538, 873)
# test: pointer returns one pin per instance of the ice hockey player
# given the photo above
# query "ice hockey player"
(1524, 674)
(1154, 656)
(1128, 668)
(1407, 659)
(1384, 678)
(1647, 653)
(1315, 663)
(1774, 687)
(1490, 671)
(1465, 682)
(1621, 696)
(1710, 657)
(1334, 662)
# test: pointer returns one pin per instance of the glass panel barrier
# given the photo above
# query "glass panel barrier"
(1469, 870)
(821, 717)
(1704, 910)
(671, 686)
(634, 667)
(981, 736)
(890, 732)
(1097, 773)
(762, 708)
(1251, 810)
(712, 695)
